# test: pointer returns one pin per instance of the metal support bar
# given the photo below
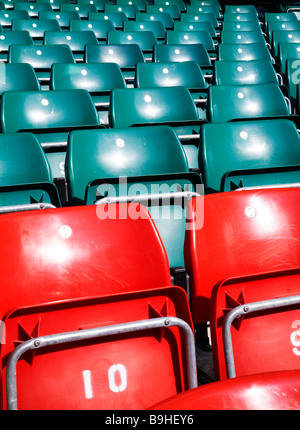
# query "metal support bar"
(99, 332)
(23, 208)
(245, 310)
(146, 197)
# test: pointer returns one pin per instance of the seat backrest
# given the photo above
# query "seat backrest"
(273, 391)
(241, 37)
(171, 9)
(189, 52)
(282, 26)
(144, 39)
(287, 51)
(264, 303)
(240, 17)
(241, 26)
(196, 26)
(111, 153)
(246, 101)
(248, 153)
(131, 106)
(203, 9)
(37, 28)
(33, 9)
(280, 36)
(156, 27)
(198, 17)
(244, 72)
(7, 16)
(130, 10)
(41, 56)
(126, 55)
(63, 18)
(14, 77)
(82, 9)
(164, 17)
(238, 9)
(100, 28)
(117, 18)
(174, 37)
(8, 38)
(244, 233)
(243, 52)
(87, 260)
(77, 40)
(186, 74)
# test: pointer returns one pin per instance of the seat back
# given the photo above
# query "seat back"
(82, 9)
(244, 52)
(287, 51)
(117, 18)
(242, 37)
(175, 37)
(280, 36)
(241, 26)
(144, 39)
(164, 17)
(198, 17)
(37, 28)
(7, 16)
(100, 28)
(85, 253)
(263, 303)
(63, 18)
(16, 77)
(189, 52)
(196, 26)
(130, 10)
(244, 233)
(246, 101)
(156, 27)
(9, 38)
(126, 55)
(33, 9)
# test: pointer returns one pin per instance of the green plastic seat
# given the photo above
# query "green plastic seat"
(240, 17)
(63, 18)
(32, 8)
(152, 161)
(171, 9)
(130, 10)
(229, 102)
(241, 37)
(249, 153)
(41, 58)
(292, 80)
(9, 38)
(36, 28)
(140, 4)
(282, 26)
(144, 39)
(100, 4)
(280, 36)
(191, 37)
(203, 9)
(97, 78)
(82, 9)
(199, 17)
(196, 26)
(279, 16)
(179, 3)
(77, 40)
(100, 28)
(55, 4)
(244, 52)
(156, 27)
(184, 52)
(244, 72)
(172, 106)
(241, 8)
(164, 17)
(241, 26)
(25, 174)
(18, 77)
(117, 18)
(125, 55)
(287, 51)
(50, 115)
(7, 17)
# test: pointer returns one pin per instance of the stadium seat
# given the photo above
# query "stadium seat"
(172, 9)
(55, 4)
(32, 8)
(186, 37)
(130, 10)
(100, 28)
(249, 153)
(98, 3)
(125, 55)
(156, 27)
(7, 16)
(163, 17)
(292, 82)
(117, 18)
(77, 40)
(267, 391)
(36, 28)
(179, 3)
(287, 51)
(196, 26)
(244, 52)
(282, 26)
(246, 102)
(241, 26)
(262, 303)
(97, 78)
(9, 38)
(203, 9)
(63, 18)
(128, 323)
(240, 17)
(41, 58)
(166, 105)
(146, 40)
(238, 9)
(82, 9)
(244, 233)
(50, 115)
(280, 36)
(245, 73)
(141, 4)
(15, 77)
(26, 179)
(242, 37)
(191, 18)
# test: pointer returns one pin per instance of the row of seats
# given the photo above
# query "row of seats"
(180, 186)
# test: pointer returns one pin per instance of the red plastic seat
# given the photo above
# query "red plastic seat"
(81, 271)
(267, 391)
(239, 233)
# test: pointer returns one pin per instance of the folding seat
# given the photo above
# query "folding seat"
(241, 37)
(26, 180)
(82, 9)
(203, 9)
(41, 58)
(7, 16)
(156, 27)
(279, 16)
(287, 51)
(114, 324)
(186, 74)
(50, 115)
(245, 72)
(249, 9)
(55, 4)
(117, 18)
(77, 40)
(197, 52)
(266, 391)
(164, 17)
(246, 102)
(153, 106)
(130, 10)
(240, 17)
(280, 36)
(144, 39)
(241, 26)
(15, 77)
(187, 37)
(282, 26)
(179, 3)
(196, 26)
(249, 153)
(32, 8)
(97, 78)
(125, 55)
(200, 17)
(171, 9)
(100, 28)
(98, 3)
(36, 28)
(147, 165)
(9, 38)
(63, 18)
(244, 52)
(141, 4)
